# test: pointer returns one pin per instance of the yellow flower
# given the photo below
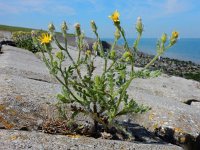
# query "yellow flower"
(115, 16)
(175, 34)
(45, 38)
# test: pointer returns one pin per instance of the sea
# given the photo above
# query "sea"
(187, 49)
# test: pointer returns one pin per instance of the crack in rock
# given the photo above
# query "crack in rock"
(185, 140)
(190, 101)
(42, 80)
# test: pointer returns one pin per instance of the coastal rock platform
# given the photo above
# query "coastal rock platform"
(27, 100)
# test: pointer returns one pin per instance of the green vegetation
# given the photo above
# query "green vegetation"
(22, 36)
(103, 96)
(194, 76)
(24, 40)
(15, 29)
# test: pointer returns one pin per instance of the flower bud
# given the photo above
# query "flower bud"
(33, 33)
(164, 37)
(173, 41)
(112, 54)
(78, 29)
(127, 56)
(51, 27)
(64, 27)
(93, 26)
(174, 37)
(117, 34)
(88, 52)
(175, 34)
(60, 55)
(139, 25)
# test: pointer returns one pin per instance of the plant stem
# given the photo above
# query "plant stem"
(135, 46)
(66, 48)
(79, 49)
(100, 44)
(109, 67)
(151, 62)
(122, 94)
(123, 35)
(114, 43)
(156, 57)
(102, 51)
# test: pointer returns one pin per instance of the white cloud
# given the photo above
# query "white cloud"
(4, 8)
(64, 9)
(154, 8)
(96, 5)
(175, 6)
(37, 6)
(32, 2)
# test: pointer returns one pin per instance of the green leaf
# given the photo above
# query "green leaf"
(74, 114)
(62, 98)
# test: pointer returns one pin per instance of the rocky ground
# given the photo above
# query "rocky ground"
(27, 101)
(175, 67)
(185, 69)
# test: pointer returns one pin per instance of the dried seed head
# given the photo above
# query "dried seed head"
(64, 26)
(51, 27)
(93, 26)
(78, 29)
(139, 25)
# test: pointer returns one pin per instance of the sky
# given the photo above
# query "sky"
(158, 16)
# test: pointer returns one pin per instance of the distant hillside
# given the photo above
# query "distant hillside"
(13, 29)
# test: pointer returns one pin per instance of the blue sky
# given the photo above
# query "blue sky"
(158, 15)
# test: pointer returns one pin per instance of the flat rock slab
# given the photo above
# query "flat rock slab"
(170, 116)
(20, 71)
(166, 96)
(181, 120)
(20, 62)
(5, 35)
(25, 103)
(10, 140)
(176, 88)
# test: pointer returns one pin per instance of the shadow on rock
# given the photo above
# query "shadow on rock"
(6, 42)
(187, 141)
